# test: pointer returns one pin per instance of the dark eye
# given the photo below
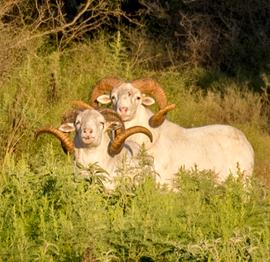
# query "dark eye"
(138, 97)
(129, 93)
(103, 124)
(113, 97)
(78, 122)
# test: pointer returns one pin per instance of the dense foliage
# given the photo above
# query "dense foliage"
(46, 215)
(49, 214)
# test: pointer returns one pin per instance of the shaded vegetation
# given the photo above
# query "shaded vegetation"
(232, 36)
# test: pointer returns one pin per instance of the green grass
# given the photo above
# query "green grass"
(46, 214)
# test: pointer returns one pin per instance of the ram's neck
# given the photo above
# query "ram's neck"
(142, 117)
(86, 155)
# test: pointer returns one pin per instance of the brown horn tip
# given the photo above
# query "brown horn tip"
(104, 86)
(117, 144)
(158, 118)
(66, 142)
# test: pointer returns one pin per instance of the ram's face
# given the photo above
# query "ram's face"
(89, 126)
(125, 100)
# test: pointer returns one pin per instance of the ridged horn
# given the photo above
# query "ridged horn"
(66, 142)
(152, 87)
(70, 116)
(104, 86)
(158, 118)
(78, 104)
(111, 116)
(116, 145)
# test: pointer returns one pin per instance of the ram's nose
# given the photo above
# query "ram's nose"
(87, 131)
(123, 109)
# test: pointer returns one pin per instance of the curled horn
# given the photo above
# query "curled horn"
(70, 116)
(151, 87)
(66, 142)
(116, 145)
(78, 104)
(158, 118)
(111, 116)
(104, 86)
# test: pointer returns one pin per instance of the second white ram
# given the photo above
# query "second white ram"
(220, 148)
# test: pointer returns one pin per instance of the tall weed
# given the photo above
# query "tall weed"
(48, 215)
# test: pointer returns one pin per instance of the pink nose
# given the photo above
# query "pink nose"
(123, 109)
(87, 131)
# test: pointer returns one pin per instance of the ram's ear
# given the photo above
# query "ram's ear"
(148, 101)
(104, 99)
(67, 127)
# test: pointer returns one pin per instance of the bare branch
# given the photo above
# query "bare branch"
(51, 19)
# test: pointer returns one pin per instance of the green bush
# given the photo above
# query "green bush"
(47, 215)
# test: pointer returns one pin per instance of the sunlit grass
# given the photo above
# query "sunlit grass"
(47, 214)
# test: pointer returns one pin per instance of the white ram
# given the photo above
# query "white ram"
(220, 148)
(92, 144)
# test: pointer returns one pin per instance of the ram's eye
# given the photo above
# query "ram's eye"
(78, 122)
(138, 98)
(103, 124)
(113, 97)
(129, 93)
